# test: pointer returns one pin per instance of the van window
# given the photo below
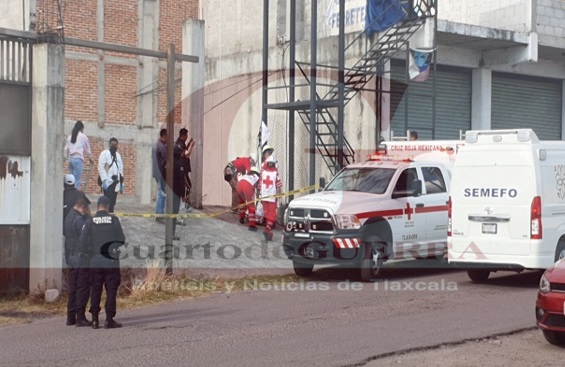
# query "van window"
(369, 180)
(433, 180)
(406, 179)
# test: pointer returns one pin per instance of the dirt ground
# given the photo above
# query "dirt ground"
(527, 348)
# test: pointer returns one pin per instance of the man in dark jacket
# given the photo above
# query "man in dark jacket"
(181, 169)
(70, 195)
(101, 237)
(159, 154)
(79, 278)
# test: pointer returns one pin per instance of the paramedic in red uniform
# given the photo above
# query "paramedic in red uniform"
(266, 153)
(240, 165)
(271, 185)
(246, 191)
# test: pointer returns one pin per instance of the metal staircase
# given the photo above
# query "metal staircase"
(356, 79)
(378, 49)
(326, 102)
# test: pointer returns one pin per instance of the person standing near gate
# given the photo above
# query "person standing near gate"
(76, 148)
(159, 153)
(271, 185)
(101, 237)
(79, 277)
(111, 172)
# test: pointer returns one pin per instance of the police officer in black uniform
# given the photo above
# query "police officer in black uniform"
(79, 278)
(100, 240)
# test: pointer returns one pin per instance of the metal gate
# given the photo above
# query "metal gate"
(527, 102)
(438, 108)
(15, 161)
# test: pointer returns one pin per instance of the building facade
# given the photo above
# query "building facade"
(498, 65)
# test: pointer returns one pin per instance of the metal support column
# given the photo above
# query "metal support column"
(265, 62)
(341, 85)
(313, 81)
(291, 96)
(170, 158)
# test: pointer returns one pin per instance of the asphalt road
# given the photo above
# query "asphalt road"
(331, 321)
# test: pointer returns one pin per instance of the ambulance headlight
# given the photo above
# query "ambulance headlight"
(347, 221)
(544, 285)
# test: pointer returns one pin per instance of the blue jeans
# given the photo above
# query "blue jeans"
(75, 168)
(161, 196)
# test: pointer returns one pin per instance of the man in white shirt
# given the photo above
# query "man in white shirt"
(111, 171)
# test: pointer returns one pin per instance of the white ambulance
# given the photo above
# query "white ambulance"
(507, 204)
(392, 207)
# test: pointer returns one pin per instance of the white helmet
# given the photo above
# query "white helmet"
(271, 159)
(267, 148)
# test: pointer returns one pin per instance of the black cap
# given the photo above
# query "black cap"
(104, 201)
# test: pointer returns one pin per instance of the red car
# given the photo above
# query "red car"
(550, 305)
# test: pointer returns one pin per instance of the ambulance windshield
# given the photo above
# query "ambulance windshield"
(369, 180)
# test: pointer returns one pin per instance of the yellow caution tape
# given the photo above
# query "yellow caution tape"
(211, 215)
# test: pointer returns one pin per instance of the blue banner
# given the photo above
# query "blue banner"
(383, 14)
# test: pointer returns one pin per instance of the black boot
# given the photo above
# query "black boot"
(71, 319)
(82, 321)
(111, 324)
(95, 321)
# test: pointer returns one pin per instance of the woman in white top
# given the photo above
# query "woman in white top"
(75, 150)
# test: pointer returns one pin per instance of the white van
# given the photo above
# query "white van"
(507, 203)
(391, 207)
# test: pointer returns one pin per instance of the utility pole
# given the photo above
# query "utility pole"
(170, 159)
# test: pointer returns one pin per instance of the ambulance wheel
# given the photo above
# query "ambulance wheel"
(302, 270)
(373, 258)
(560, 251)
(478, 275)
(554, 337)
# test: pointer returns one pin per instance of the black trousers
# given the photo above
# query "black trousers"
(110, 279)
(176, 208)
(111, 194)
(79, 289)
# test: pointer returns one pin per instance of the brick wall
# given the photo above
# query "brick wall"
(81, 94)
(90, 173)
(120, 99)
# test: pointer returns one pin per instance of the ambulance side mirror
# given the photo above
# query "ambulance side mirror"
(322, 183)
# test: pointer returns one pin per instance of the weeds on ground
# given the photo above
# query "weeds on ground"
(147, 286)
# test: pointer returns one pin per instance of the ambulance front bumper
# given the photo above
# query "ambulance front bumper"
(316, 248)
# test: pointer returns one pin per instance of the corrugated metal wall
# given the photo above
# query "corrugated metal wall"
(415, 106)
(15, 163)
(526, 102)
(14, 258)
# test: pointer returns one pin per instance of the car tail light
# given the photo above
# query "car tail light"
(449, 217)
(535, 222)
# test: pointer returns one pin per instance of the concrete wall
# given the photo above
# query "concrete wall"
(550, 22)
(226, 34)
(513, 15)
(12, 14)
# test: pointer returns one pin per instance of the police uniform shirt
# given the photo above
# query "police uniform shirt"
(101, 236)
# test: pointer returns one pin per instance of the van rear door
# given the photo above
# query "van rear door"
(492, 193)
